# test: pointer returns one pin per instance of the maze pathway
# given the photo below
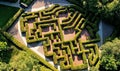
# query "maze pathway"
(60, 30)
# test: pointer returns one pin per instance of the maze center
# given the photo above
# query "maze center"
(63, 35)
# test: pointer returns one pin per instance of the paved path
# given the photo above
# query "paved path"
(105, 30)
(11, 4)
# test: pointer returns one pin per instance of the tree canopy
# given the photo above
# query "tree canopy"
(110, 56)
(3, 45)
(107, 10)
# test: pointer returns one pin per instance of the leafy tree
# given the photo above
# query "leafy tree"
(25, 62)
(110, 55)
(3, 46)
(4, 66)
(108, 10)
(108, 63)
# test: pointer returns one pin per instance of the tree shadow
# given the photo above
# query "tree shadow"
(5, 55)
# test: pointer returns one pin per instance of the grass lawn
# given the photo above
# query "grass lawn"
(6, 13)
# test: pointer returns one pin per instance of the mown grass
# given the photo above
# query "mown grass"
(6, 13)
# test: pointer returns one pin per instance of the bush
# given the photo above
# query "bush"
(3, 46)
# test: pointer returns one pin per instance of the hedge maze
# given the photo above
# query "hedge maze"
(59, 29)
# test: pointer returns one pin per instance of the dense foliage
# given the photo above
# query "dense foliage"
(110, 59)
(15, 59)
(3, 46)
(20, 61)
(104, 7)
(108, 10)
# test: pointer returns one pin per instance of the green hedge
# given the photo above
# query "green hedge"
(12, 20)
(67, 48)
(61, 11)
(54, 58)
(76, 21)
(80, 23)
(78, 67)
(62, 64)
(66, 19)
(22, 46)
(52, 8)
(93, 61)
(71, 20)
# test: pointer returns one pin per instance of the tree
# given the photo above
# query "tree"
(108, 63)
(3, 46)
(107, 10)
(4, 66)
(25, 62)
(110, 55)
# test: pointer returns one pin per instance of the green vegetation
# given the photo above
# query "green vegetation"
(83, 15)
(17, 52)
(18, 59)
(107, 10)
(25, 48)
(110, 56)
(63, 51)
(8, 16)
(3, 46)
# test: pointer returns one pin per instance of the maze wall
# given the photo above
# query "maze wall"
(59, 29)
